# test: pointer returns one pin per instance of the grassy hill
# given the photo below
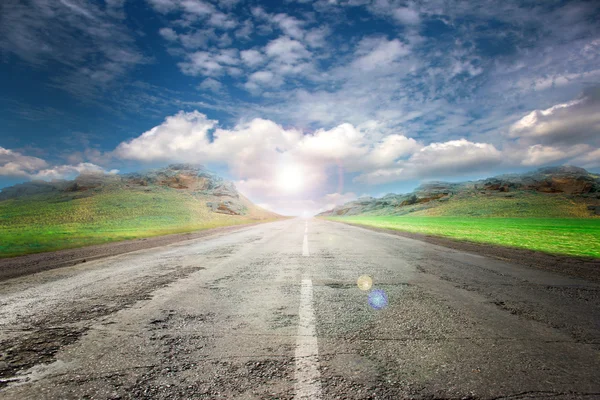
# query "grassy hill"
(93, 209)
(559, 192)
(554, 210)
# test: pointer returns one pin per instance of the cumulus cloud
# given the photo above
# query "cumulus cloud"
(266, 78)
(289, 25)
(339, 143)
(197, 7)
(539, 154)
(70, 171)
(391, 148)
(571, 122)
(454, 157)
(15, 164)
(252, 57)
(286, 50)
(263, 150)
(211, 84)
(406, 15)
(181, 137)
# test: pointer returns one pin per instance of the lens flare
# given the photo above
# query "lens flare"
(364, 282)
(378, 299)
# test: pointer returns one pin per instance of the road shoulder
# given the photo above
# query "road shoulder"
(581, 267)
(32, 263)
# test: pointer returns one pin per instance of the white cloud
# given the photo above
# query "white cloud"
(571, 122)
(182, 137)
(391, 148)
(454, 157)
(227, 56)
(252, 57)
(317, 37)
(339, 143)
(539, 154)
(588, 160)
(196, 39)
(211, 84)
(265, 78)
(70, 171)
(406, 16)
(197, 7)
(246, 29)
(15, 164)
(168, 33)
(291, 26)
(375, 53)
(210, 64)
(222, 21)
(201, 63)
(286, 50)
(451, 158)
(262, 147)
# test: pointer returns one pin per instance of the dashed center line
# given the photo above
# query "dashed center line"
(308, 383)
(305, 252)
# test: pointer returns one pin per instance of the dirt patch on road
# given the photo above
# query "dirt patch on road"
(32, 263)
(581, 267)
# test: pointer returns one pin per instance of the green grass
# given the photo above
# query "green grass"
(520, 204)
(46, 223)
(571, 236)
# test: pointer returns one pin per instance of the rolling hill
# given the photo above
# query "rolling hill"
(553, 210)
(557, 192)
(97, 208)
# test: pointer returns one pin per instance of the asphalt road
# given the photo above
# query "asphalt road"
(274, 311)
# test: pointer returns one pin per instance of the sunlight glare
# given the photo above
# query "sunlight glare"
(290, 178)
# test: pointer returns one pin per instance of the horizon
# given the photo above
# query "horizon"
(302, 104)
(303, 213)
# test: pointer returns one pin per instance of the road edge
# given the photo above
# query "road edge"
(581, 267)
(14, 267)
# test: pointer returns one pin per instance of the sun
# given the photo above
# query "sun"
(290, 178)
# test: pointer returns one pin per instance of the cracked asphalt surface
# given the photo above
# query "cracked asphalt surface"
(217, 318)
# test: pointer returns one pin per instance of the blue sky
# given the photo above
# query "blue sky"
(302, 103)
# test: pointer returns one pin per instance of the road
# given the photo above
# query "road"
(274, 311)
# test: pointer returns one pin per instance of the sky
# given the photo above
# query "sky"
(303, 104)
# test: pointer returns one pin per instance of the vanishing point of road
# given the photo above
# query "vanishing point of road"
(273, 311)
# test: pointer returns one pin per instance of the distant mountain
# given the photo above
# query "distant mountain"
(565, 191)
(218, 195)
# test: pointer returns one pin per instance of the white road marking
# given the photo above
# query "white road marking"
(305, 252)
(308, 378)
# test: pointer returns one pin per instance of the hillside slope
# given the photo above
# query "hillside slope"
(554, 192)
(94, 208)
